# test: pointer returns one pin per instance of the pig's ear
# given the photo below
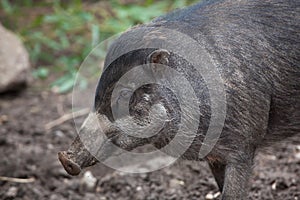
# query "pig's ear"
(160, 56)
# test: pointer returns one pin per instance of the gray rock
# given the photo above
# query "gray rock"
(14, 61)
(12, 192)
(88, 182)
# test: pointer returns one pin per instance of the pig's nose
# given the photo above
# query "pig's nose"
(71, 167)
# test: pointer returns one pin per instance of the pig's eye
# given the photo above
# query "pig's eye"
(125, 94)
(146, 97)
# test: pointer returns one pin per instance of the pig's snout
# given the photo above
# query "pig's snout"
(71, 167)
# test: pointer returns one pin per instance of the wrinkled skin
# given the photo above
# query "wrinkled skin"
(255, 45)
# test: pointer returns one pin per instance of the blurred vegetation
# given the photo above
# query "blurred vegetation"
(59, 34)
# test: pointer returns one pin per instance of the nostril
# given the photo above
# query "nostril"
(71, 167)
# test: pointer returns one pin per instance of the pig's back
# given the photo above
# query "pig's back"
(256, 47)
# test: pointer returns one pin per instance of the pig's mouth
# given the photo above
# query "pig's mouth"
(73, 163)
(77, 158)
(107, 143)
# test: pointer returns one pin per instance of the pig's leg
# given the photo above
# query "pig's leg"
(218, 170)
(236, 180)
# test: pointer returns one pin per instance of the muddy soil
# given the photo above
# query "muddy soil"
(27, 151)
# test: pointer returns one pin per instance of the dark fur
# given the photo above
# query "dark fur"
(255, 45)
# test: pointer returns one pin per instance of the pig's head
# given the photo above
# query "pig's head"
(149, 105)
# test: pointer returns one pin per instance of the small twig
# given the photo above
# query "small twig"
(66, 117)
(17, 180)
(59, 106)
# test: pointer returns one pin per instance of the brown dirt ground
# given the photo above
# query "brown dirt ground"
(28, 150)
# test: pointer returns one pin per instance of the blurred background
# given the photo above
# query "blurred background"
(42, 45)
(58, 35)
